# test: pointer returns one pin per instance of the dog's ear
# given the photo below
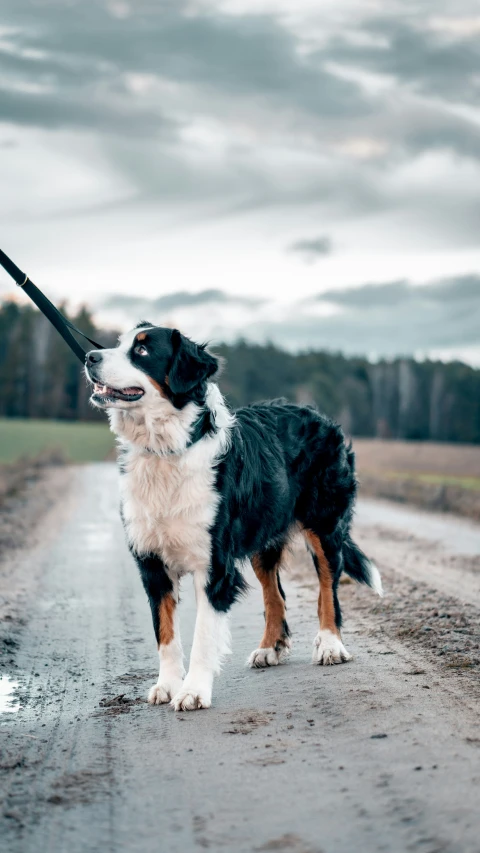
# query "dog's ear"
(191, 364)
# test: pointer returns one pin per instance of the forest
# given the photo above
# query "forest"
(403, 398)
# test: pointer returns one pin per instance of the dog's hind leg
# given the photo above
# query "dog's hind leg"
(275, 643)
(328, 646)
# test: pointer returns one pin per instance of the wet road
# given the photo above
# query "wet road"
(295, 758)
(438, 549)
(456, 535)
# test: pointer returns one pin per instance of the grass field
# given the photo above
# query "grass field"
(76, 442)
(426, 462)
(436, 476)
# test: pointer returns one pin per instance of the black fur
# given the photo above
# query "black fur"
(191, 365)
(156, 584)
(286, 464)
(355, 562)
(280, 587)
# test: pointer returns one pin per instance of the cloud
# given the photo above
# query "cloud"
(423, 79)
(197, 106)
(173, 301)
(402, 293)
(369, 295)
(243, 110)
(55, 110)
(397, 318)
(81, 50)
(378, 320)
(465, 287)
(433, 64)
(312, 249)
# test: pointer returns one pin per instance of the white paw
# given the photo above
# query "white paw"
(269, 657)
(163, 692)
(329, 649)
(192, 698)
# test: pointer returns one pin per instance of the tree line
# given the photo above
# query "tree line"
(404, 398)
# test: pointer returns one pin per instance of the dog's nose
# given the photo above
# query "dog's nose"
(93, 357)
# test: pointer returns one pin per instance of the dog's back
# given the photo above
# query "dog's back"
(287, 464)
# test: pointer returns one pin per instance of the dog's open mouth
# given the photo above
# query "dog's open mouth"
(104, 393)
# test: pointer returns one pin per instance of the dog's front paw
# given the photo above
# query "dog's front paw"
(261, 658)
(192, 697)
(163, 691)
(329, 649)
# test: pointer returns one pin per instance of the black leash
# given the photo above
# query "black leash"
(47, 308)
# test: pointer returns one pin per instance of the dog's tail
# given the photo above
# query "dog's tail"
(359, 567)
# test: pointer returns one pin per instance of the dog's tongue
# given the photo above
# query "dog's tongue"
(105, 389)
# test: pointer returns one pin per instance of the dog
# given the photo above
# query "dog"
(204, 489)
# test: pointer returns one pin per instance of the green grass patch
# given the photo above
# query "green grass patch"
(439, 479)
(78, 442)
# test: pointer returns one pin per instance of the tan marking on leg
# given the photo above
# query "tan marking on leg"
(326, 608)
(274, 634)
(166, 613)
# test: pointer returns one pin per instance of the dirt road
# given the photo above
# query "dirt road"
(380, 754)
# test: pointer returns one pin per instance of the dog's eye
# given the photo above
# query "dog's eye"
(141, 350)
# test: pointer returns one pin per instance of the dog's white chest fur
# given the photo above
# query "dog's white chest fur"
(169, 506)
(169, 502)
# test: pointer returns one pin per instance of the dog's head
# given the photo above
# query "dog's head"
(151, 367)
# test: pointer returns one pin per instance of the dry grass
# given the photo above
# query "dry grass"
(443, 477)
(14, 477)
(418, 458)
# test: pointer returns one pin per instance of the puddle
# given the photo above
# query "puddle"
(9, 701)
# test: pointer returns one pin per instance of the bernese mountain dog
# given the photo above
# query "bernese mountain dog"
(204, 489)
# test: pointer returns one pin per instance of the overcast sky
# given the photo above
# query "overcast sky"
(267, 156)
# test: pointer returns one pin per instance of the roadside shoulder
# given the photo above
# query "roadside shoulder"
(29, 518)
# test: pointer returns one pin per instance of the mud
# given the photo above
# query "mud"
(30, 516)
(380, 754)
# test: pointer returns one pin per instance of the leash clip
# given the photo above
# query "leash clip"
(22, 283)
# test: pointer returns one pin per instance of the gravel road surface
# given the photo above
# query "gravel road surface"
(380, 754)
